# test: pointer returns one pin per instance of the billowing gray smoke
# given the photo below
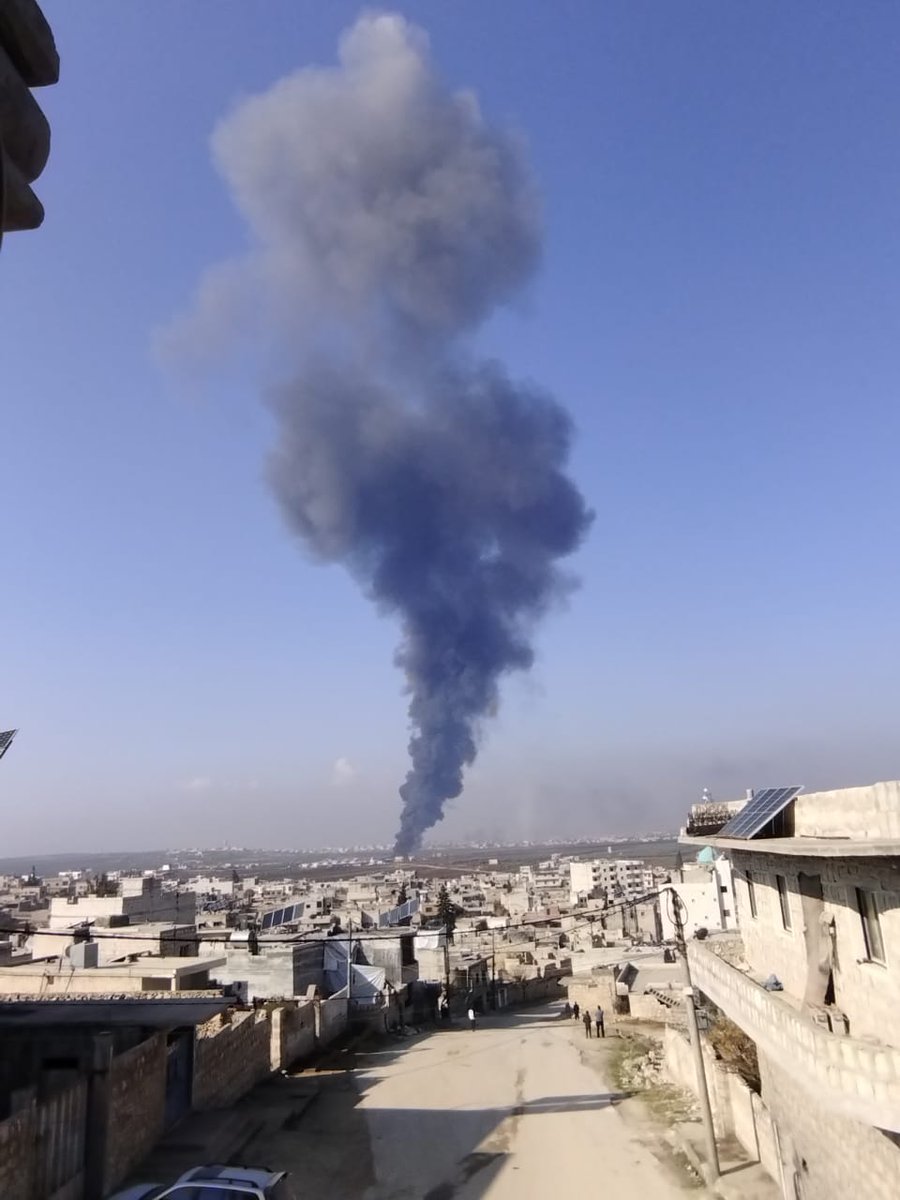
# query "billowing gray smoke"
(389, 220)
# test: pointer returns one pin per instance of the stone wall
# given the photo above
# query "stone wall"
(331, 1019)
(293, 1034)
(137, 1105)
(18, 1136)
(824, 1156)
(737, 1111)
(589, 993)
(232, 1053)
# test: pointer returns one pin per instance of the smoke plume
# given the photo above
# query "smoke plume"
(388, 219)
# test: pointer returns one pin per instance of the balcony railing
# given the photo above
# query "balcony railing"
(855, 1078)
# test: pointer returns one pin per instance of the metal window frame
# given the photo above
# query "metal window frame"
(784, 901)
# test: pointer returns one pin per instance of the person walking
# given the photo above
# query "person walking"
(587, 1024)
(567, 1011)
(575, 1010)
(598, 1021)
(471, 1015)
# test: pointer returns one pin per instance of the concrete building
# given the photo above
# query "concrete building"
(137, 900)
(70, 978)
(612, 878)
(706, 891)
(818, 903)
(278, 971)
(161, 938)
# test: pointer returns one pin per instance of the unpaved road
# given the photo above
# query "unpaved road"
(519, 1108)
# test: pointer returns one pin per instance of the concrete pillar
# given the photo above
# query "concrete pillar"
(276, 1041)
(98, 1105)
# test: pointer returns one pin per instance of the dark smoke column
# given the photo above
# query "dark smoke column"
(389, 220)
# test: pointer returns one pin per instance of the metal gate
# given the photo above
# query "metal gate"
(60, 1147)
(179, 1074)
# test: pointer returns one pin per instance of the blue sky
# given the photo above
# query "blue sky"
(717, 306)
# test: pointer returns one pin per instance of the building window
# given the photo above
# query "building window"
(751, 894)
(784, 901)
(867, 903)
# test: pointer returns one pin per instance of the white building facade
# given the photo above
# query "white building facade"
(819, 920)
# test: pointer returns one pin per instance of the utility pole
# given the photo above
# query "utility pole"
(349, 962)
(493, 969)
(712, 1150)
(446, 968)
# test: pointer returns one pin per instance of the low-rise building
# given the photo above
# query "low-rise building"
(814, 980)
(70, 977)
(706, 892)
(133, 900)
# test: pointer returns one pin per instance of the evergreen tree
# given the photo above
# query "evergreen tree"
(402, 897)
(446, 910)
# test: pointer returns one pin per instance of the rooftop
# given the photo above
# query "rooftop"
(166, 1012)
(813, 847)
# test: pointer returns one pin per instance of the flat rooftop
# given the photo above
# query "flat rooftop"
(164, 1013)
(812, 847)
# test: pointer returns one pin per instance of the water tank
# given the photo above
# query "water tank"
(84, 954)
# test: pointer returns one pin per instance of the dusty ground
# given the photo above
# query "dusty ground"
(521, 1107)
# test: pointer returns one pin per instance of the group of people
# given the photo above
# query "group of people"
(573, 1010)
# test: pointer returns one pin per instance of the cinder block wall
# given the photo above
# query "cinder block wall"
(832, 1157)
(137, 1105)
(293, 1034)
(861, 812)
(331, 1019)
(232, 1052)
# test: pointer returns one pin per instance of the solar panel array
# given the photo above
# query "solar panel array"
(758, 812)
(401, 913)
(5, 738)
(282, 916)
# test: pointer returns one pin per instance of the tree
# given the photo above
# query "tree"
(735, 1050)
(446, 910)
(402, 897)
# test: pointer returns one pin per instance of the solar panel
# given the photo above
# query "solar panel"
(282, 916)
(758, 812)
(5, 739)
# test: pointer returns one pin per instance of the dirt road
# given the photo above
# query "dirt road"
(516, 1109)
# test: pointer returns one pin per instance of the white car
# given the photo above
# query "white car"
(215, 1183)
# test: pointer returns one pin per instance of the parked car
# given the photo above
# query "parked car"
(215, 1183)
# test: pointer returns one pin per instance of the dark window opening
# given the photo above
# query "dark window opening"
(867, 904)
(751, 893)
